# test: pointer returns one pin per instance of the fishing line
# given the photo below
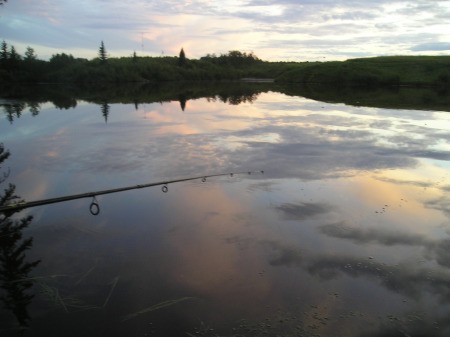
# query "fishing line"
(94, 207)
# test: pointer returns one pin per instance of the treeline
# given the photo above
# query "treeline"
(64, 68)
(363, 72)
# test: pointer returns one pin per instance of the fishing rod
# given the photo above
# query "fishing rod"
(94, 207)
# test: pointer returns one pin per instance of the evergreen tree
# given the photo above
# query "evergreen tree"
(4, 54)
(14, 270)
(102, 55)
(30, 54)
(182, 57)
(13, 55)
(14, 58)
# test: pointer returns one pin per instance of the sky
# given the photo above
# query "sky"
(274, 30)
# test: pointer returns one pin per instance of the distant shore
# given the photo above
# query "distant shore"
(363, 72)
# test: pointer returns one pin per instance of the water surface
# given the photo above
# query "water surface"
(347, 232)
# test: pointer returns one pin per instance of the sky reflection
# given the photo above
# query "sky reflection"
(347, 232)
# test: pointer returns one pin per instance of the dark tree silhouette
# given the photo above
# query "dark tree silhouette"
(13, 55)
(4, 53)
(105, 111)
(182, 57)
(14, 270)
(182, 99)
(34, 108)
(30, 54)
(102, 55)
(13, 111)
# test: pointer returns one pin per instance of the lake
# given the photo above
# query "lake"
(345, 233)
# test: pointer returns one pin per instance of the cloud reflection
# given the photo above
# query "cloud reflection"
(406, 279)
(442, 204)
(284, 256)
(434, 248)
(285, 136)
(374, 235)
(302, 211)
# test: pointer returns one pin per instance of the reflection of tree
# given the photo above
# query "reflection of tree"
(183, 99)
(238, 99)
(64, 102)
(390, 97)
(105, 111)
(14, 269)
(34, 108)
(15, 110)
(65, 97)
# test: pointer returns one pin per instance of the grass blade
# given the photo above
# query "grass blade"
(154, 307)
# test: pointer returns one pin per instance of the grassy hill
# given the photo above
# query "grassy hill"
(386, 70)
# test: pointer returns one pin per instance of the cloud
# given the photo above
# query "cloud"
(382, 27)
(439, 46)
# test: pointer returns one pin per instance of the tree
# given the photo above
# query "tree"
(30, 54)
(2, 2)
(182, 57)
(102, 55)
(14, 270)
(61, 61)
(13, 55)
(4, 54)
(14, 58)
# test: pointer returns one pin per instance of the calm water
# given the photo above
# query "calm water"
(347, 232)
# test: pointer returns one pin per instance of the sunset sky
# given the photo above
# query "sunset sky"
(282, 30)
